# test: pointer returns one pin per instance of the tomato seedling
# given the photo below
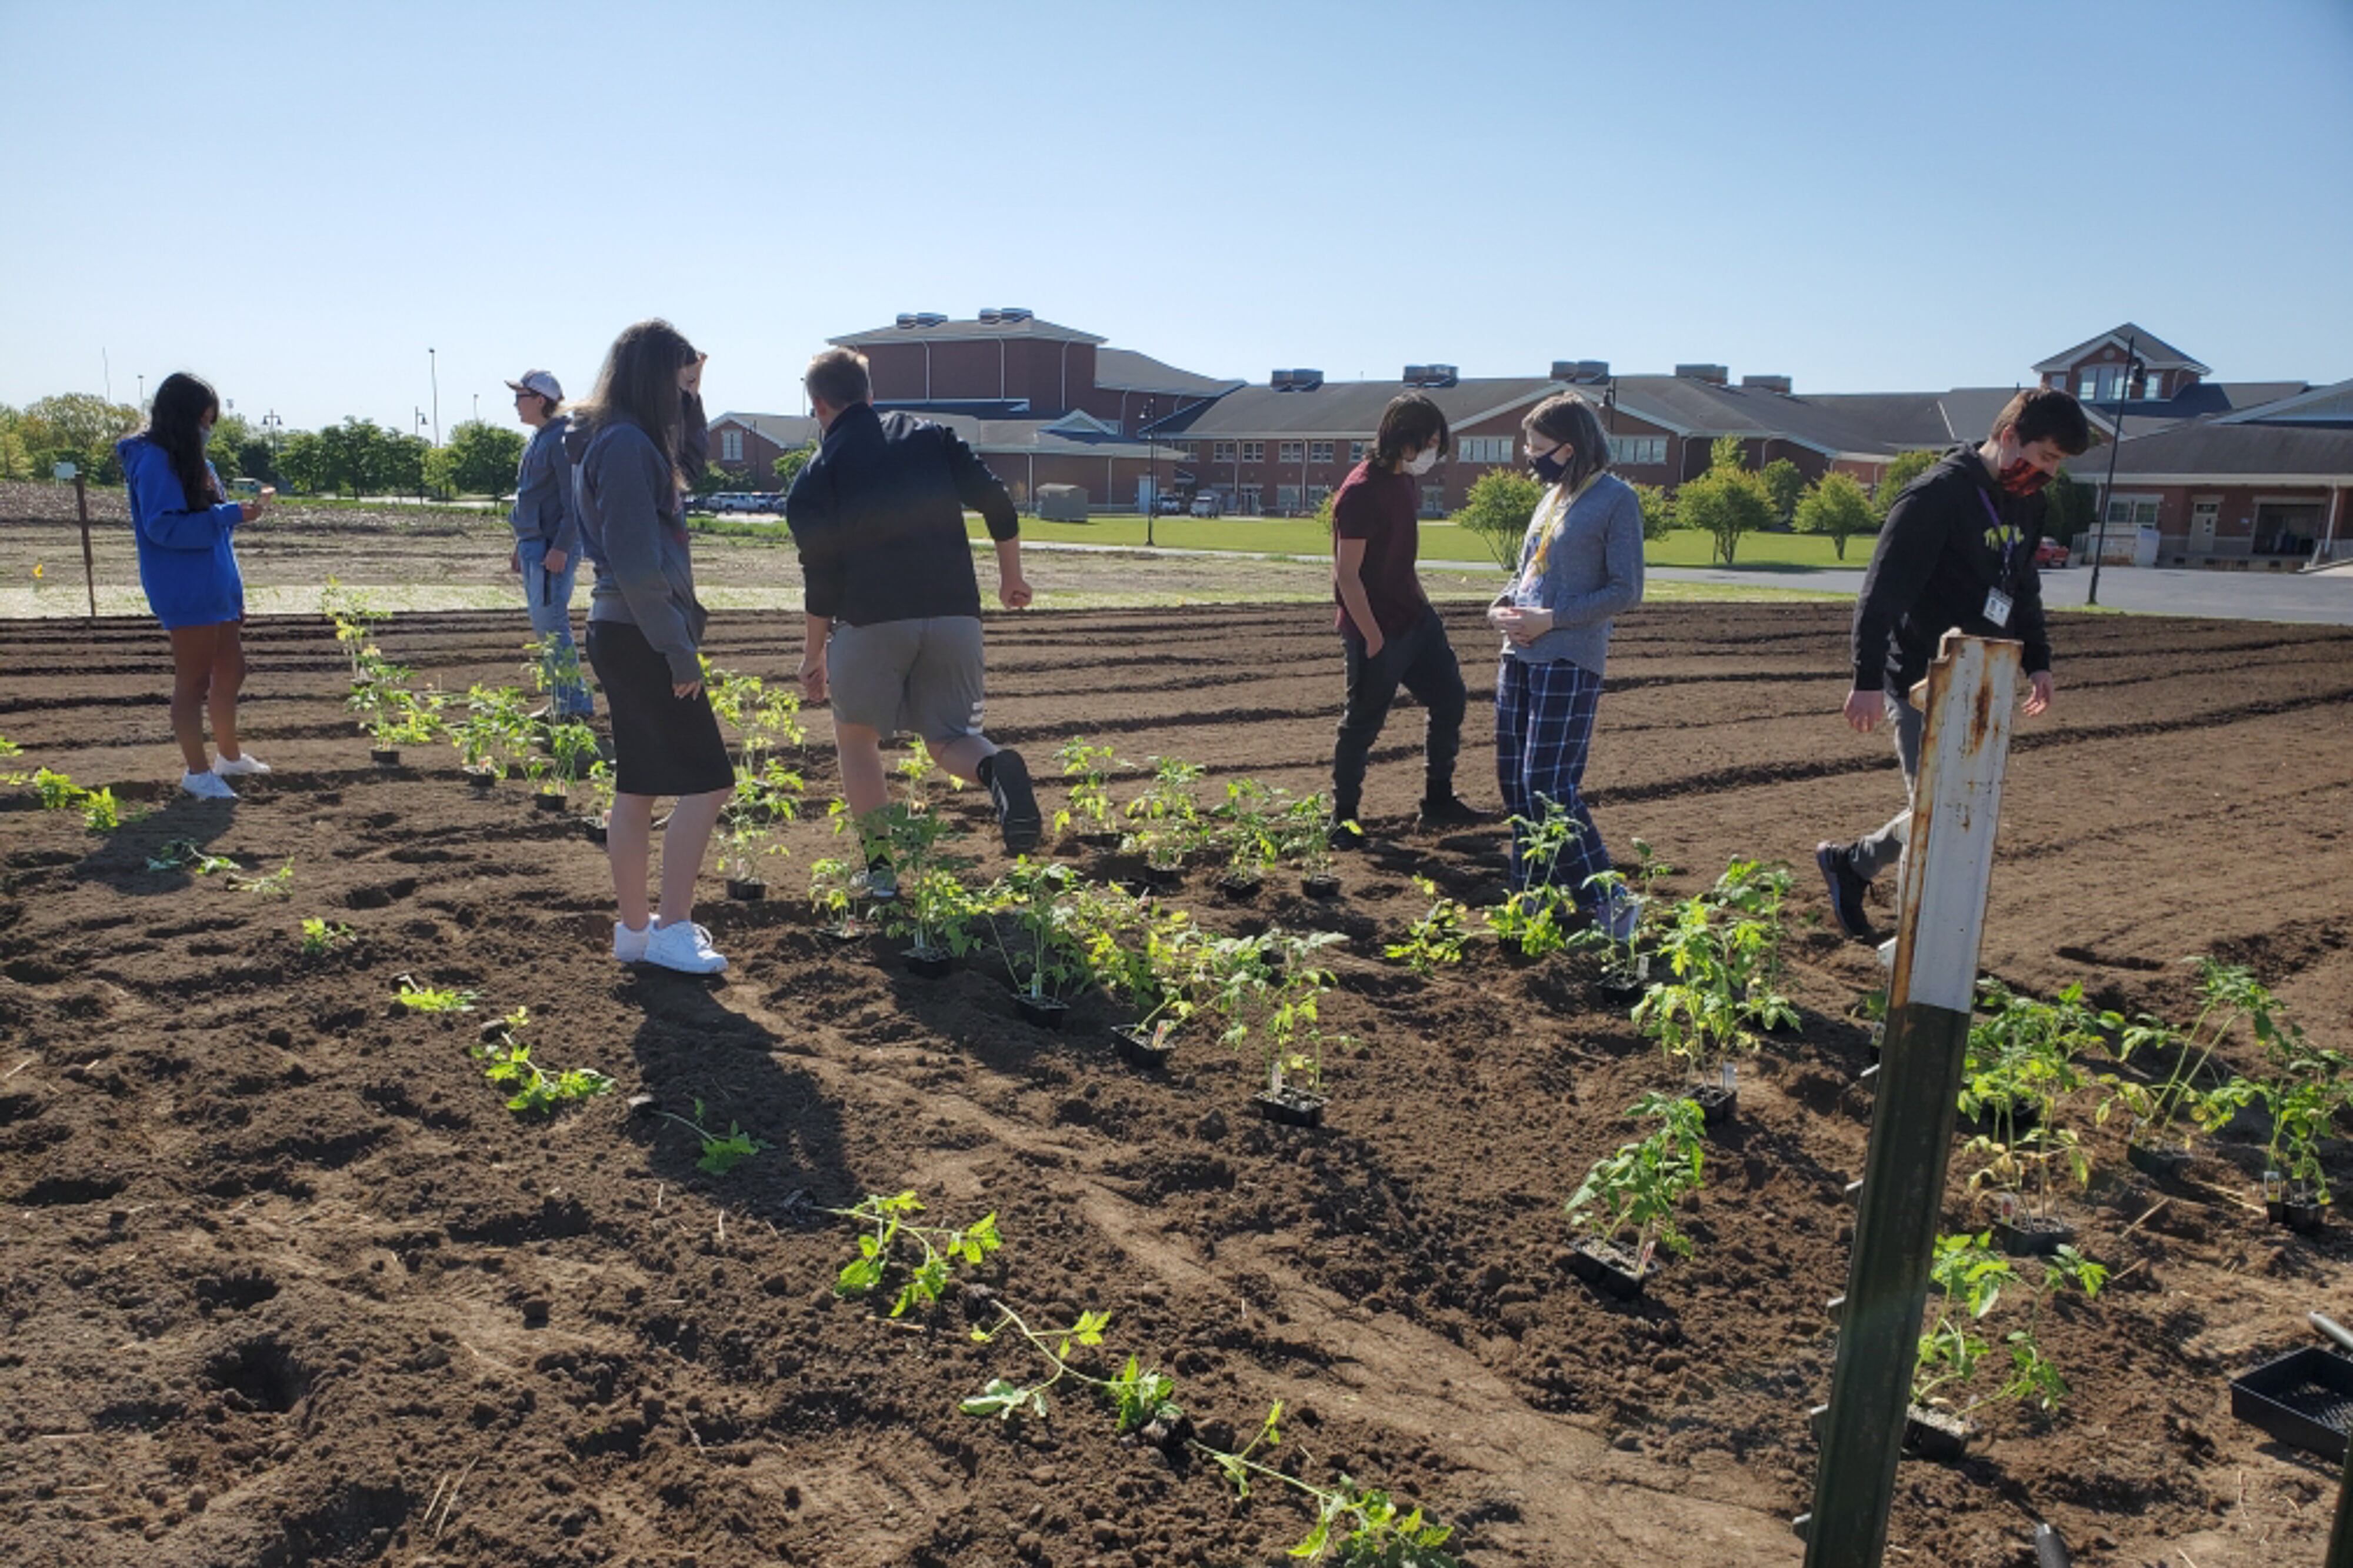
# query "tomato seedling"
(321, 937)
(1437, 938)
(507, 1064)
(427, 999)
(183, 855)
(892, 1218)
(720, 1155)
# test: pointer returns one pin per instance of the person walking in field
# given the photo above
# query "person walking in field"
(1390, 636)
(626, 447)
(548, 541)
(1957, 553)
(1580, 564)
(185, 524)
(892, 635)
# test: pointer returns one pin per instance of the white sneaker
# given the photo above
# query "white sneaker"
(206, 786)
(629, 946)
(685, 948)
(237, 766)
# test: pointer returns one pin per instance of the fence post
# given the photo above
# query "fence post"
(2340, 1539)
(89, 571)
(1956, 806)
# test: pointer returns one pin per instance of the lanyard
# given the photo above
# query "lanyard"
(2010, 537)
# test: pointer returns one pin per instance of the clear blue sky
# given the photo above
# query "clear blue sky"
(297, 200)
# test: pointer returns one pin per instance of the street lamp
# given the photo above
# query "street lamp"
(2116, 439)
(420, 461)
(1152, 464)
(433, 368)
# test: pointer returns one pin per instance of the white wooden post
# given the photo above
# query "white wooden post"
(1955, 807)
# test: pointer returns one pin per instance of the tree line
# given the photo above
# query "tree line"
(1731, 500)
(357, 456)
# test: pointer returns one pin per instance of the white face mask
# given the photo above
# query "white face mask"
(1423, 462)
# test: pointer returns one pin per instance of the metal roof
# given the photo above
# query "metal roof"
(2152, 350)
(1124, 370)
(2210, 450)
(953, 331)
(1070, 435)
(2331, 402)
(786, 430)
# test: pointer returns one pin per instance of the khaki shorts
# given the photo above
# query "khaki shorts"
(916, 677)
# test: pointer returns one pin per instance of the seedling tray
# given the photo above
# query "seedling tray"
(1717, 1105)
(1100, 841)
(1320, 887)
(1622, 982)
(596, 831)
(2151, 1160)
(2298, 1214)
(1239, 888)
(1138, 1049)
(1610, 1270)
(2031, 1235)
(547, 800)
(1291, 1107)
(932, 963)
(483, 783)
(1042, 1011)
(1937, 1435)
(2303, 1398)
(746, 889)
(385, 756)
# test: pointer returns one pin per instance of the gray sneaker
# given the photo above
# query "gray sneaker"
(879, 882)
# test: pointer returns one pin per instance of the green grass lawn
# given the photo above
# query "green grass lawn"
(1439, 541)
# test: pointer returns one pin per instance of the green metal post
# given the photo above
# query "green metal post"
(2340, 1539)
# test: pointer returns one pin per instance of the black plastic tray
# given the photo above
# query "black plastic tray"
(2303, 1398)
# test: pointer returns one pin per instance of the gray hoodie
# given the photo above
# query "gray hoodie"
(635, 529)
(1593, 571)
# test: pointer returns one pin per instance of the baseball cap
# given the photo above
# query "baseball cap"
(540, 382)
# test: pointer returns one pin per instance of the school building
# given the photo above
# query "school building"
(2228, 473)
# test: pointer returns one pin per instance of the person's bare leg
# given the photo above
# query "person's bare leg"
(684, 843)
(858, 748)
(962, 756)
(628, 836)
(193, 652)
(228, 677)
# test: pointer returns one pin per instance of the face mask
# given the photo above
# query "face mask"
(1549, 468)
(2021, 477)
(1423, 462)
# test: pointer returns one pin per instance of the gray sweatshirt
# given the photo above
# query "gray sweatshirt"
(1594, 571)
(634, 531)
(542, 503)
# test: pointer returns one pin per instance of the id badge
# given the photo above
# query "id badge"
(1997, 608)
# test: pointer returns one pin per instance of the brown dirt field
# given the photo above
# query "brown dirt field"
(281, 1277)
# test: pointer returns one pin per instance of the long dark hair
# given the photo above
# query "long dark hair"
(1410, 421)
(639, 384)
(176, 427)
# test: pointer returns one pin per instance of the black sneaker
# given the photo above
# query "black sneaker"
(1344, 834)
(1451, 812)
(1846, 889)
(1017, 803)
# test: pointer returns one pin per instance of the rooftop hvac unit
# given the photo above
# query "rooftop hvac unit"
(930, 319)
(991, 315)
(1415, 375)
(1779, 384)
(1279, 379)
(1714, 374)
(1306, 380)
(1014, 313)
(1441, 375)
(906, 320)
(1580, 372)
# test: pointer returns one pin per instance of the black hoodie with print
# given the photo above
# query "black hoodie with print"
(1951, 536)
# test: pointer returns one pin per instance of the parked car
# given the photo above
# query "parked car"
(2050, 553)
(1171, 506)
(1206, 505)
(700, 504)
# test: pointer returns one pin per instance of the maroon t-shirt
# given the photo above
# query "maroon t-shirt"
(1381, 507)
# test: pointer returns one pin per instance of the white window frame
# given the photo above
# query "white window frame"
(1223, 452)
(731, 445)
(2125, 509)
(1316, 494)
(1319, 451)
(1355, 451)
(1253, 451)
(1291, 453)
(1286, 499)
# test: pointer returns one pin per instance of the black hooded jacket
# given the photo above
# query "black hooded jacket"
(1950, 536)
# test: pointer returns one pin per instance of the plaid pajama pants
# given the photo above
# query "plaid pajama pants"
(1544, 725)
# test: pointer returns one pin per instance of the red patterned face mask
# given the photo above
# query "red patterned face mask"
(2022, 477)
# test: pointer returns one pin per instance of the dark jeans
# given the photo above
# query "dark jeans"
(1422, 661)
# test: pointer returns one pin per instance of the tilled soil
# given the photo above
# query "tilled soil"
(285, 1283)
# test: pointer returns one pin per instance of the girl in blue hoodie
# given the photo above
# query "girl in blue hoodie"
(183, 521)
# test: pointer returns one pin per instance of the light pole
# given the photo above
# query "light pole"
(433, 368)
(271, 423)
(1152, 465)
(420, 460)
(2115, 440)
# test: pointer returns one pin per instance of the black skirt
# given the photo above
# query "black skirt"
(662, 745)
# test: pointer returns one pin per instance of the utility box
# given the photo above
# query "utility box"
(1062, 503)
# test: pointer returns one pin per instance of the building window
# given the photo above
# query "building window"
(1316, 494)
(1187, 451)
(1286, 499)
(2153, 389)
(1319, 451)
(1253, 451)
(731, 445)
(1433, 500)
(1223, 452)
(2106, 383)
(2132, 512)
(1355, 451)
(1292, 452)
(1638, 450)
(1483, 449)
